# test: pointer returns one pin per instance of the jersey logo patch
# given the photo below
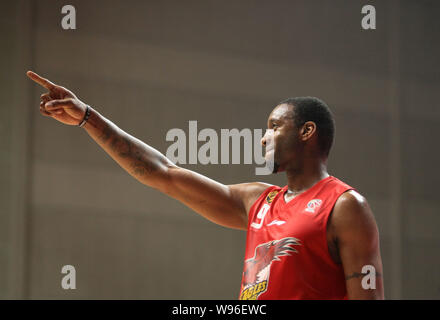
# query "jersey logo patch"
(313, 205)
(257, 269)
(270, 196)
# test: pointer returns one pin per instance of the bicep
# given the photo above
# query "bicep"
(358, 243)
(222, 204)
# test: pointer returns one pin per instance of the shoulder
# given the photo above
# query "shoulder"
(351, 201)
(352, 217)
(350, 207)
(251, 188)
(249, 192)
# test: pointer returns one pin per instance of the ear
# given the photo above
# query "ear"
(308, 130)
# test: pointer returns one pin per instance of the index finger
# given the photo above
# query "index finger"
(40, 80)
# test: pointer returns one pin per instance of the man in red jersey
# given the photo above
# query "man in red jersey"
(315, 238)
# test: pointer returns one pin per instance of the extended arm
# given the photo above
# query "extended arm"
(226, 205)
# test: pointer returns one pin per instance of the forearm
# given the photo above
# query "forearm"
(215, 201)
(143, 162)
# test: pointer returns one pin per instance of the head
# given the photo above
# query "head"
(299, 129)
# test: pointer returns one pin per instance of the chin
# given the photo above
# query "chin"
(277, 168)
(271, 163)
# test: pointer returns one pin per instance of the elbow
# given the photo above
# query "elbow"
(161, 178)
(156, 176)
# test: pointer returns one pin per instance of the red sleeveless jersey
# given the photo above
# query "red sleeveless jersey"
(287, 254)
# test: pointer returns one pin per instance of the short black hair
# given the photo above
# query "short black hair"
(316, 110)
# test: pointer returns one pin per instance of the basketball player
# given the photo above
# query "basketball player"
(315, 238)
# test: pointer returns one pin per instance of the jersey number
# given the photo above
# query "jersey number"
(261, 214)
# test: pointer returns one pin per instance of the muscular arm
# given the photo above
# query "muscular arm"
(357, 238)
(227, 205)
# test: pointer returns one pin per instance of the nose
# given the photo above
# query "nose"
(267, 135)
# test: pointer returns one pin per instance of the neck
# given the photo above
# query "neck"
(305, 176)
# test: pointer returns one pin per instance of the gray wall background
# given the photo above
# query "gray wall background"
(150, 66)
